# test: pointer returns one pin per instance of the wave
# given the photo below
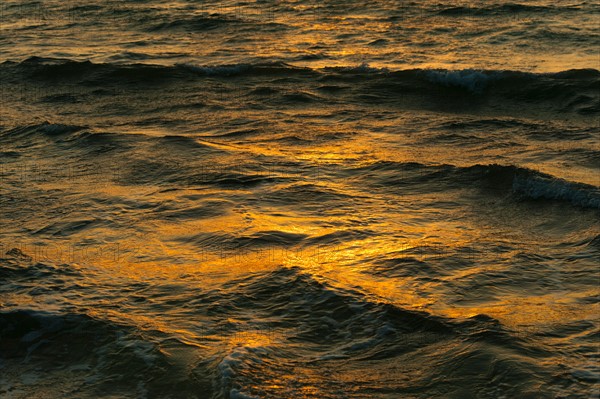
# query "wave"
(298, 321)
(472, 80)
(75, 350)
(309, 305)
(543, 186)
(522, 183)
(60, 68)
(196, 23)
(574, 90)
(45, 128)
(332, 325)
(537, 130)
(524, 84)
(17, 264)
(530, 184)
(93, 142)
(514, 9)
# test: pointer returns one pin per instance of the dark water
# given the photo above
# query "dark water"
(299, 199)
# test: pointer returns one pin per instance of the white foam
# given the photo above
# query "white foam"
(221, 70)
(235, 394)
(470, 79)
(228, 363)
(364, 68)
(555, 189)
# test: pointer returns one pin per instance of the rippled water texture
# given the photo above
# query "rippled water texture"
(299, 199)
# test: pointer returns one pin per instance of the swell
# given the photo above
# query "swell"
(196, 23)
(576, 89)
(530, 184)
(297, 320)
(94, 142)
(313, 306)
(84, 356)
(520, 182)
(44, 129)
(330, 325)
(16, 265)
(66, 69)
(207, 22)
(515, 9)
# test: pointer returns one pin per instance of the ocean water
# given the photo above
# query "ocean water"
(299, 199)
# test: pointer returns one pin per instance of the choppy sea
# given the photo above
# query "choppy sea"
(299, 199)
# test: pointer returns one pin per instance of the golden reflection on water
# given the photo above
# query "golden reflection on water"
(253, 339)
(205, 249)
(189, 247)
